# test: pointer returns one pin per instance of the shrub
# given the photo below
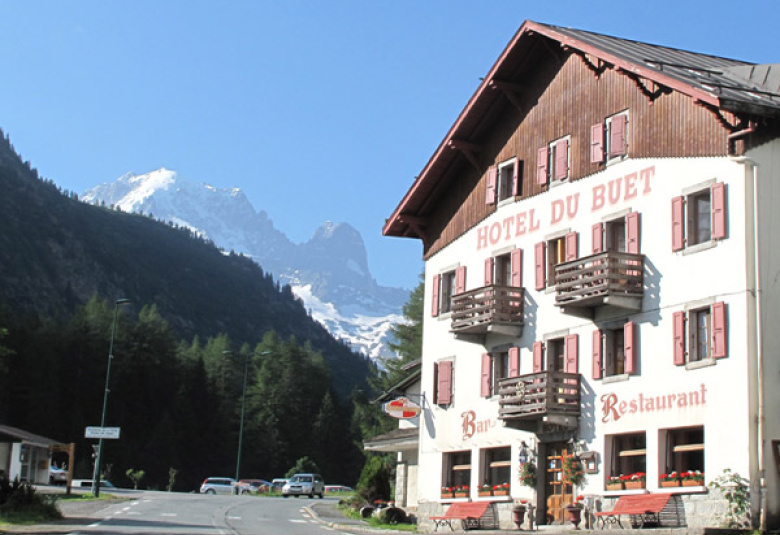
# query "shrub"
(19, 500)
(374, 482)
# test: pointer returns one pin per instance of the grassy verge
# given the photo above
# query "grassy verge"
(375, 522)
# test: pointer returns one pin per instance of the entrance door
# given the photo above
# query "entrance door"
(559, 495)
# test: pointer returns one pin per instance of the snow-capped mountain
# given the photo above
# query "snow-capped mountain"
(329, 272)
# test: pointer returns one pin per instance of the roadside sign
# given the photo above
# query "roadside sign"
(102, 432)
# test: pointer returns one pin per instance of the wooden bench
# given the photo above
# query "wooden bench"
(641, 508)
(471, 514)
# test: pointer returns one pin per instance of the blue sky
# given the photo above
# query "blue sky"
(319, 110)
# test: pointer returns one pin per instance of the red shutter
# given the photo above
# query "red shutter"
(617, 135)
(484, 384)
(460, 280)
(598, 238)
(597, 352)
(514, 362)
(571, 352)
(490, 185)
(562, 159)
(539, 266)
(597, 143)
(718, 200)
(538, 349)
(435, 292)
(516, 179)
(489, 271)
(444, 385)
(678, 325)
(632, 233)
(571, 247)
(542, 158)
(678, 228)
(719, 341)
(516, 262)
(628, 348)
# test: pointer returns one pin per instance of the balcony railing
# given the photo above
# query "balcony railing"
(548, 396)
(608, 278)
(488, 309)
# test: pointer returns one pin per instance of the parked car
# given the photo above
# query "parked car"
(332, 489)
(253, 485)
(306, 484)
(218, 485)
(279, 482)
(57, 476)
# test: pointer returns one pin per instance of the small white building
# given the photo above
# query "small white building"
(24, 456)
(602, 259)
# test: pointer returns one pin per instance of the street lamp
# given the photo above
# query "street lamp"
(243, 407)
(96, 474)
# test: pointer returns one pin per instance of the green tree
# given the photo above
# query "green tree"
(304, 465)
(374, 482)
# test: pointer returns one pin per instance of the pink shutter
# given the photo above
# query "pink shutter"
(617, 135)
(460, 280)
(538, 349)
(444, 385)
(718, 199)
(678, 326)
(514, 362)
(719, 347)
(539, 266)
(628, 348)
(435, 292)
(632, 233)
(598, 238)
(562, 159)
(678, 229)
(489, 271)
(597, 143)
(516, 179)
(571, 352)
(597, 352)
(516, 261)
(571, 247)
(484, 384)
(542, 159)
(490, 185)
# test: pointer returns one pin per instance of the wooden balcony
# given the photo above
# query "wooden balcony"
(601, 279)
(540, 402)
(488, 309)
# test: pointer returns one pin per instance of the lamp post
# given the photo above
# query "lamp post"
(96, 474)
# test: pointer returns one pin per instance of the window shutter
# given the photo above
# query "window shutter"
(678, 324)
(632, 233)
(562, 159)
(489, 271)
(628, 348)
(617, 135)
(542, 160)
(678, 228)
(597, 352)
(516, 261)
(514, 362)
(718, 199)
(719, 347)
(539, 265)
(598, 238)
(538, 349)
(571, 349)
(597, 143)
(460, 280)
(444, 385)
(435, 292)
(484, 385)
(571, 247)
(490, 185)
(516, 179)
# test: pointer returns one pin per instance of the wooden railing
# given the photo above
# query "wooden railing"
(587, 281)
(540, 394)
(477, 310)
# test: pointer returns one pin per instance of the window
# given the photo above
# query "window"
(504, 181)
(609, 140)
(628, 454)
(496, 366)
(699, 217)
(684, 450)
(505, 269)
(619, 235)
(456, 469)
(442, 382)
(551, 253)
(497, 466)
(613, 351)
(552, 161)
(705, 330)
(561, 354)
(447, 291)
(445, 286)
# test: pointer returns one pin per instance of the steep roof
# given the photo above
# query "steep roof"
(25, 437)
(726, 84)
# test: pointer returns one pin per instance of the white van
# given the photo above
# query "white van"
(306, 484)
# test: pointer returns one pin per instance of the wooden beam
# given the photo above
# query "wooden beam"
(468, 149)
(510, 89)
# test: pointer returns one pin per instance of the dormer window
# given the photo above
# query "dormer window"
(609, 140)
(504, 181)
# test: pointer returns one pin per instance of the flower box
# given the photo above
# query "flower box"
(461, 494)
(672, 483)
(500, 492)
(485, 493)
(692, 483)
(615, 486)
(445, 495)
(633, 485)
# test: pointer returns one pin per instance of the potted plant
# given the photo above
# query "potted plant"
(634, 481)
(528, 474)
(447, 492)
(485, 490)
(672, 479)
(614, 483)
(692, 478)
(518, 512)
(574, 511)
(572, 470)
(462, 491)
(501, 490)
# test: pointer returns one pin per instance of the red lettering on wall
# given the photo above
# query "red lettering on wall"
(613, 408)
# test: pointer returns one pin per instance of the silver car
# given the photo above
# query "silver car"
(306, 484)
(218, 485)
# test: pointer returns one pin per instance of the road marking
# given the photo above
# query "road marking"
(234, 518)
(169, 514)
(298, 521)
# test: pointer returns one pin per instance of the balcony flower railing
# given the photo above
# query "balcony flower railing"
(535, 395)
(479, 309)
(588, 280)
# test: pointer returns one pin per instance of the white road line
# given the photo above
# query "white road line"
(234, 518)
(298, 521)
(169, 514)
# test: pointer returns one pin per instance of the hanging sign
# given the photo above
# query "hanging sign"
(401, 408)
